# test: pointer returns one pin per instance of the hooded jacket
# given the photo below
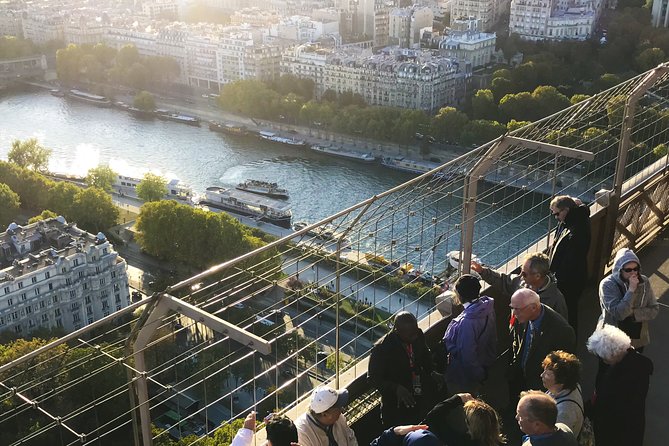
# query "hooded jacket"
(471, 342)
(618, 302)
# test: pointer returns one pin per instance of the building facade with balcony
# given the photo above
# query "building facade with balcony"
(406, 24)
(474, 47)
(486, 11)
(553, 19)
(44, 26)
(55, 275)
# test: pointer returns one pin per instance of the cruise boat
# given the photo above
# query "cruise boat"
(176, 189)
(343, 153)
(98, 100)
(263, 188)
(167, 115)
(413, 166)
(265, 209)
(270, 136)
(229, 129)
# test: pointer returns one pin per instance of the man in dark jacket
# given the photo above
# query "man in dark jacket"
(400, 367)
(569, 252)
(536, 330)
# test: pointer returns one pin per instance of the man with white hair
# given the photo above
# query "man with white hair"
(619, 410)
(324, 424)
(536, 330)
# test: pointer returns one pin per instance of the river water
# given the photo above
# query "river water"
(83, 136)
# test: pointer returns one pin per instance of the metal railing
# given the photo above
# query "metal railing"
(260, 331)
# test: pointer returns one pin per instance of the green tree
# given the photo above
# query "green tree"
(448, 124)
(483, 105)
(660, 150)
(28, 184)
(575, 99)
(152, 188)
(92, 68)
(137, 76)
(500, 87)
(61, 198)
(94, 210)
(515, 125)
(127, 56)
(44, 215)
(10, 205)
(29, 154)
(102, 177)
(144, 101)
(104, 54)
(650, 58)
(548, 100)
(14, 47)
(481, 131)
(68, 63)
(520, 106)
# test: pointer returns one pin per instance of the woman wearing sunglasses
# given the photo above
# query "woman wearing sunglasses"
(627, 300)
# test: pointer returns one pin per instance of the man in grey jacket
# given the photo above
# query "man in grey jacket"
(534, 274)
(627, 300)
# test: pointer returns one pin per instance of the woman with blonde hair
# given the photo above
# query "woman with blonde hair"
(465, 421)
(561, 376)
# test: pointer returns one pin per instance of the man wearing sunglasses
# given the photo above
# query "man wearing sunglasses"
(627, 300)
(569, 252)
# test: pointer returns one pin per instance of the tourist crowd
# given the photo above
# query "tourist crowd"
(424, 405)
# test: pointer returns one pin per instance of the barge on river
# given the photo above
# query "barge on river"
(276, 212)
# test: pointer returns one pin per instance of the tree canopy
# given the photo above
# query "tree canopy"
(94, 210)
(10, 205)
(102, 177)
(144, 101)
(152, 188)
(29, 154)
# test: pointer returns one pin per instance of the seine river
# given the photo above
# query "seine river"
(83, 136)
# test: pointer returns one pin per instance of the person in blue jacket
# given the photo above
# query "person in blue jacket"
(470, 339)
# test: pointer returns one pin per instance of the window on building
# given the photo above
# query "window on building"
(45, 318)
(81, 274)
(68, 281)
(24, 297)
(57, 312)
(55, 299)
(76, 317)
(59, 323)
(2, 320)
(50, 286)
(118, 308)
(106, 313)
(73, 294)
(18, 329)
(47, 275)
(88, 299)
(20, 285)
(105, 305)
(85, 286)
(76, 262)
(113, 274)
(42, 304)
(97, 270)
(10, 302)
(63, 270)
(90, 320)
(29, 310)
(89, 311)
(6, 290)
(102, 281)
(31, 323)
(34, 279)
(15, 315)
(117, 298)
(37, 291)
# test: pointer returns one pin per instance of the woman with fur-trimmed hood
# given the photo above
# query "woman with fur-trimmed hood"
(627, 300)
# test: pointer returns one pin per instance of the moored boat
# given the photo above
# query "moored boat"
(263, 188)
(145, 114)
(229, 129)
(98, 100)
(167, 115)
(176, 189)
(344, 153)
(265, 209)
(270, 136)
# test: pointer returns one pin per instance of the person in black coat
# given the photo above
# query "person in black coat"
(536, 330)
(569, 252)
(400, 368)
(618, 407)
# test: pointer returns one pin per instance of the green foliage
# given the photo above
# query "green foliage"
(94, 210)
(102, 64)
(102, 177)
(515, 125)
(575, 99)
(61, 196)
(660, 150)
(28, 184)
(480, 131)
(483, 105)
(174, 231)
(44, 215)
(14, 47)
(144, 101)
(650, 58)
(448, 124)
(29, 154)
(152, 188)
(10, 205)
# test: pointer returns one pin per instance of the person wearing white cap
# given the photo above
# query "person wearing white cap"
(324, 424)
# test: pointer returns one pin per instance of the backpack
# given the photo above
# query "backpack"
(587, 435)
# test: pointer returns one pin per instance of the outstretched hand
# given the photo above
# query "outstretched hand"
(403, 430)
(250, 421)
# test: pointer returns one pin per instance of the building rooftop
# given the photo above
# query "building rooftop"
(24, 249)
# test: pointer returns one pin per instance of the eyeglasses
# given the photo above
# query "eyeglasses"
(519, 308)
(525, 273)
(629, 270)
